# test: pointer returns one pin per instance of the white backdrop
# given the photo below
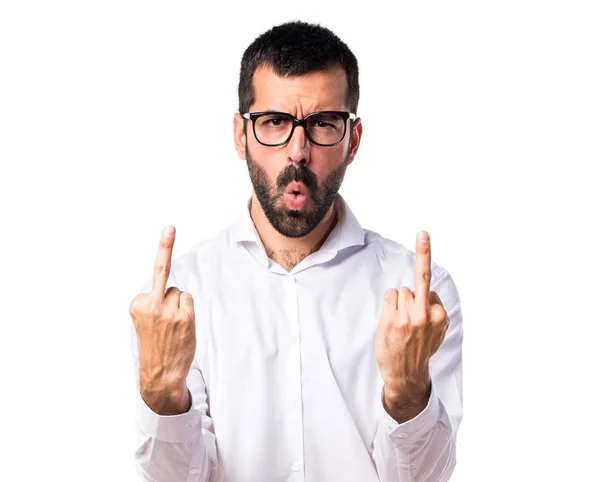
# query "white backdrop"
(481, 125)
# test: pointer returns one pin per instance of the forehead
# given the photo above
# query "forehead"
(320, 90)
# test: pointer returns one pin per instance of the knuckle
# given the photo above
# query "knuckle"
(183, 319)
(419, 321)
(134, 306)
(405, 290)
(161, 269)
(170, 317)
(172, 291)
(388, 321)
(138, 307)
(187, 299)
(438, 314)
(446, 324)
(390, 294)
(402, 320)
(155, 312)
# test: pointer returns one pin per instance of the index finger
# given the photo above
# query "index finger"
(423, 270)
(162, 266)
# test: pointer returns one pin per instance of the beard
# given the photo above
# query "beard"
(319, 196)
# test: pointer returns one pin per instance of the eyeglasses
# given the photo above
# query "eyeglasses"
(323, 128)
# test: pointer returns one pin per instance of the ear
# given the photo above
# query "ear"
(239, 138)
(355, 137)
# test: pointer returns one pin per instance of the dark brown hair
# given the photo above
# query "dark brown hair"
(297, 48)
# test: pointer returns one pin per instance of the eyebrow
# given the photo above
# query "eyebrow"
(288, 113)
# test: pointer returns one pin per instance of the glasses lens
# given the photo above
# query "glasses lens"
(273, 128)
(326, 128)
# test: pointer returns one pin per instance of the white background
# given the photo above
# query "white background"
(481, 125)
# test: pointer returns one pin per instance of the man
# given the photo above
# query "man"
(296, 345)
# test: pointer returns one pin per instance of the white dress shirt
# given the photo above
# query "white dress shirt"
(284, 384)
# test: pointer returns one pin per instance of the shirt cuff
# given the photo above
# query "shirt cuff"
(168, 428)
(408, 432)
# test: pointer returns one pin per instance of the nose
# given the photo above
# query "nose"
(299, 147)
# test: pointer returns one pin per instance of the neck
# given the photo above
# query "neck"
(288, 252)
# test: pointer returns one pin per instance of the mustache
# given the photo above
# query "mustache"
(298, 174)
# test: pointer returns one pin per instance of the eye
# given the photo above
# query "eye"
(274, 121)
(325, 121)
(323, 124)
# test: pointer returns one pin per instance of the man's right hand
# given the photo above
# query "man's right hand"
(165, 325)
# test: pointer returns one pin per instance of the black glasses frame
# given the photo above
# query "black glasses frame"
(299, 122)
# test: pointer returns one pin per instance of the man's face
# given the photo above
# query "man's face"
(297, 183)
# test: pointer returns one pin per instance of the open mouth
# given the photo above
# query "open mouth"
(295, 195)
(296, 188)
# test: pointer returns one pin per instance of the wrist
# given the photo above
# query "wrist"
(404, 396)
(402, 405)
(396, 393)
(166, 400)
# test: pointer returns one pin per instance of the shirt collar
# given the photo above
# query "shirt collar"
(347, 232)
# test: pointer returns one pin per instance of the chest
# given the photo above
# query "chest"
(326, 321)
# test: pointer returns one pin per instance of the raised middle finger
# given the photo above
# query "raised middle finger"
(422, 271)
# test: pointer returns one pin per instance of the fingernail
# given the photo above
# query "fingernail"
(168, 231)
(424, 236)
(388, 293)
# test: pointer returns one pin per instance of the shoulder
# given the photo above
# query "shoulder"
(198, 259)
(396, 258)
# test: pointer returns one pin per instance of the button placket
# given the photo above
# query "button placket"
(294, 365)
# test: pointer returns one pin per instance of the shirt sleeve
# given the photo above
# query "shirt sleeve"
(424, 449)
(175, 448)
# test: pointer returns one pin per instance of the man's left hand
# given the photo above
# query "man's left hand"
(411, 328)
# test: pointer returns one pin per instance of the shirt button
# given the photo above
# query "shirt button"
(194, 471)
(293, 403)
(295, 466)
(294, 340)
(402, 435)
